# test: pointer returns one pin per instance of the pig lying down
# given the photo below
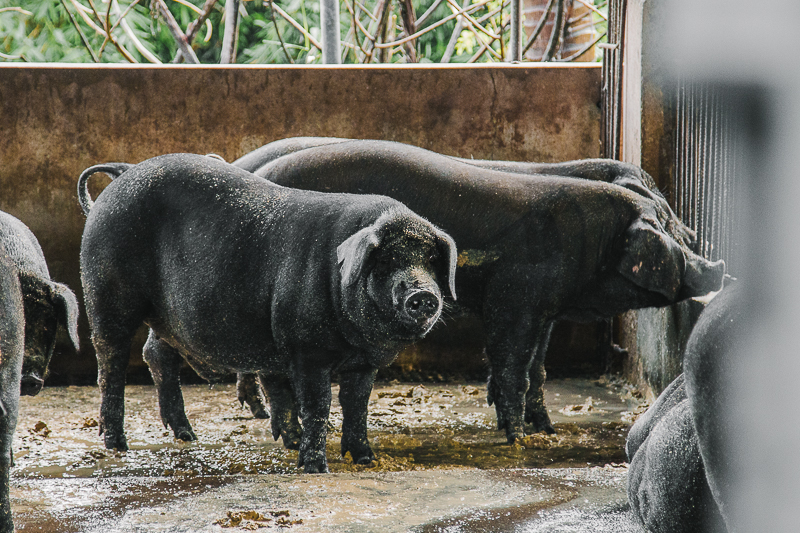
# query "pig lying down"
(679, 477)
(235, 274)
(534, 248)
(32, 306)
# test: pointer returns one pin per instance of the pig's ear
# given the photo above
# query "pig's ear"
(66, 306)
(58, 296)
(447, 250)
(353, 253)
(651, 259)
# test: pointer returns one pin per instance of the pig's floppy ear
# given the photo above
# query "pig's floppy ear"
(651, 259)
(58, 296)
(354, 252)
(447, 249)
(66, 306)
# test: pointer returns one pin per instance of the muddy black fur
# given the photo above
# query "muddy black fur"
(48, 304)
(534, 247)
(12, 342)
(32, 307)
(678, 477)
(235, 274)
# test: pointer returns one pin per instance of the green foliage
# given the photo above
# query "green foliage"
(42, 31)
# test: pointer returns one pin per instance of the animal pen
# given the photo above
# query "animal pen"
(441, 466)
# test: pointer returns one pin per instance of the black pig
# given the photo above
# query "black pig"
(236, 274)
(32, 306)
(12, 346)
(678, 481)
(606, 170)
(48, 304)
(533, 248)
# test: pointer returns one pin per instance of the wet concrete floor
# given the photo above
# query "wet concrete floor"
(441, 466)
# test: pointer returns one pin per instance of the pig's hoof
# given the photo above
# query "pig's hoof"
(115, 442)
(512, 436)
(261, 413)
(365, 460)
(313, 462)
(540, 422)
(291, 440)
(363, 456)
(186, 435)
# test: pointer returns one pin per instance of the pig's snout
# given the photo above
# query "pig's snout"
(30, 385)
(421, 305)
(702, 276)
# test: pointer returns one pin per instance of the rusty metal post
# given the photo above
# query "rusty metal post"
(331, 38)
(515, 46)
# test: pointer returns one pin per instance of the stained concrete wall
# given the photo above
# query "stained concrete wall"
(57, 120)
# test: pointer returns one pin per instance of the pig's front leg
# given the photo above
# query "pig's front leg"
(248, 390)
(514, 329)
(313, 386)
(354, 390)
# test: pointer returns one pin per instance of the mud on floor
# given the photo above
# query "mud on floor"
(65, 480)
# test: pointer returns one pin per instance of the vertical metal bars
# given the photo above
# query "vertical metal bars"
(704, 181)
(611, 98)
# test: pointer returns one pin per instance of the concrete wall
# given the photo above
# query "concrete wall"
(57, 120)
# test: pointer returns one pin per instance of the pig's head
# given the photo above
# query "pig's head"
(394, 275)
(47, 305)
(652, 259)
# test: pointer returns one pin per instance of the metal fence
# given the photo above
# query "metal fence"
(707, 154)
(704, 147)
(612, 79)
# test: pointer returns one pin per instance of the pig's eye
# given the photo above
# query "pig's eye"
(385, 261)
(432, 258)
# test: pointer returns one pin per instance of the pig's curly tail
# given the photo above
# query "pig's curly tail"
(114, 170)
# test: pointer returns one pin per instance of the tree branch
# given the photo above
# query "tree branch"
(459, 11)
(194, 27)
(539, 27)
(84, 40)
(228, 54)
(176, 32)
(278, 31)
(122, 50)
(451, 45)
(409, 24)
(555, 36)
(129, 32)
(288, 18)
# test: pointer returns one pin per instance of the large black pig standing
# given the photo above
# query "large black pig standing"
(32, 306)
(236, 274)
(533, 248)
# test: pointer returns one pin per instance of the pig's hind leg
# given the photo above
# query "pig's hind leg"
(113, 351)
(535, 408)
(283, 404)
(248, 390)
(165, 363)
